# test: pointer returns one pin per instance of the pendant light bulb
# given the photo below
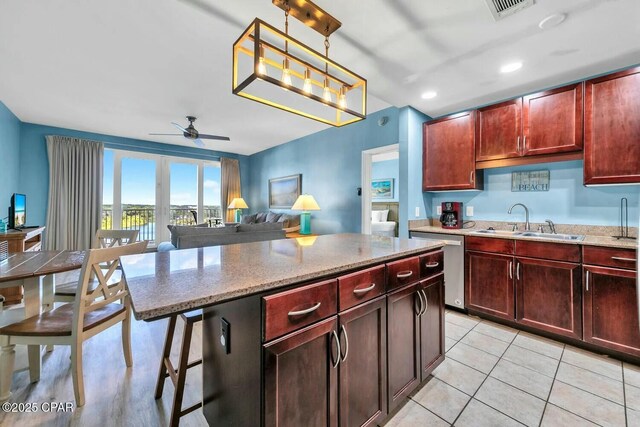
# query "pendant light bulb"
(342, 98)
(286, 73)
(262, 67)
(307, 88)
(326, 92)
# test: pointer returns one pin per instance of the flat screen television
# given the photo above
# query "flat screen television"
(18, 211)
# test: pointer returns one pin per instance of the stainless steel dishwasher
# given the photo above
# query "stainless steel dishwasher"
(453, 265)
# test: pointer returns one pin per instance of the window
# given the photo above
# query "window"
(146, 192)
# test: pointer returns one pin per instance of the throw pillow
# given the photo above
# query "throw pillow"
(273, 217)
(375, 216)
(384, 215)
(248, 219)
(261, 217)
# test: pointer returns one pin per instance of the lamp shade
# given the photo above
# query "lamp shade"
(305, 202)
(238, 203)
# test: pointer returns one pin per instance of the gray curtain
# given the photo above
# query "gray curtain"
(230, 185)
(74, 210)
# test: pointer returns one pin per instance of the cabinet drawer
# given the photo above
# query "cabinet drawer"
(403, 272)
(360, 286)
(489, 244)
(431, 264)
(610, 257)
(552, 251)
(290, 310)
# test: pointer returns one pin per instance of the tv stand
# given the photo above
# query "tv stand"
(23, 240)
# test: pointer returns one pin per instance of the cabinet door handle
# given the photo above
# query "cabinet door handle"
(587, 281)
(510, 269)
(346, 343)
(404, 274)
(518, 149)
(524, 144)
(334, 337)
(432, 264)
(471, 176)
(419, 313)
(518, 270)
(426, 302)
(364, 290)
(305, 311)
(619, 258)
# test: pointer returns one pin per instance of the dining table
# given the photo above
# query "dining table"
(35, 272)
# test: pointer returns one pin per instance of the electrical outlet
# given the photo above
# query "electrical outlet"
(439, 209)
(469, 211)
(417, 211)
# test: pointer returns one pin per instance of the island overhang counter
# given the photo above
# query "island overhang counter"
(336, 328)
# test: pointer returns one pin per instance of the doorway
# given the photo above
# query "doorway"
(380, 190)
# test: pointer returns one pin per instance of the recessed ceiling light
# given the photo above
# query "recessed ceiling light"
(511, 67)
(552, 21)
(429, 95)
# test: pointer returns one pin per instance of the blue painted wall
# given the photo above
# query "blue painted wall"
(384, 170)
(34, 164)
(330, 164)
(10, 155)
(567, 200)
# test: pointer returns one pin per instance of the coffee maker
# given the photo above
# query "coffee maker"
(451, 215)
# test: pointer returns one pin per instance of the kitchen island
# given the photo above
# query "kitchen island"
(329, 330)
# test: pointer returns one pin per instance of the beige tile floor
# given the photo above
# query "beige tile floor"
(497, 376)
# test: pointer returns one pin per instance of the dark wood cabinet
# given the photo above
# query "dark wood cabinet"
(549, 296)
(403, 344)
(363, 368)
(448, 155)
(612, 128)
(300, 381)
(499, 131)
(611, 309)
(489, 283)
(552, 121)
(432, 325)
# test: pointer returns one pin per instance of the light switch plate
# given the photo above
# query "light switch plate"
(417, 211)
(439, 209)
(469, 211)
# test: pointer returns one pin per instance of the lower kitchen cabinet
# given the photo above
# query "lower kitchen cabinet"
(300, 380)
(549, 296)
(489, 283)
(611, 309)
(432, 325)
(403, 343)
(363, 366)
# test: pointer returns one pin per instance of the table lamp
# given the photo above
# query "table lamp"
(305, 203)
(238, 204)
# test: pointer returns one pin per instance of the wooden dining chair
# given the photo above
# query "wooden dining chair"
(92, 312)
(66, 290)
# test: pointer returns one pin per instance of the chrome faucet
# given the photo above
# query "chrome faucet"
(527, 225)
(552, 226)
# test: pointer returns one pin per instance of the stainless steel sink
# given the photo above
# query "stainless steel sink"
(574, 237)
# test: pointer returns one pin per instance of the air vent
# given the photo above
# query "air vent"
(503, 8)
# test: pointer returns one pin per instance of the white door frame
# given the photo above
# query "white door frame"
(367, 156)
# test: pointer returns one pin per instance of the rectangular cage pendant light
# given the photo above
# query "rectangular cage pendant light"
(271, 67)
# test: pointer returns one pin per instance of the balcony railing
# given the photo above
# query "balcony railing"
(144, 219)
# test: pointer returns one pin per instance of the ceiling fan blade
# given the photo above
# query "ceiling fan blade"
(198, 142)
(167, 134)
(180, 127)
(221, 138)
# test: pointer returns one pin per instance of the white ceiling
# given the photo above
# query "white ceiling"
(129, 68)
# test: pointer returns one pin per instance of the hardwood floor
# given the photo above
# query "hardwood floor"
(115, 395)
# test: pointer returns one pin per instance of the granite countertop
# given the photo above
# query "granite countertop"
(162, 283)
(589, 240)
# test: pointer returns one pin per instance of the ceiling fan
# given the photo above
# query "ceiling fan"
(191, 133)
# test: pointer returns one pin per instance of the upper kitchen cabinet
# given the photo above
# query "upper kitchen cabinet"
(448, 155)
(499, 131)
(552, 121)
(612, 129)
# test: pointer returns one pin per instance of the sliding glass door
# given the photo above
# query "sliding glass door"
(147, 192)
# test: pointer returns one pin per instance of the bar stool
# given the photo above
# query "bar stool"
(178, 376)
